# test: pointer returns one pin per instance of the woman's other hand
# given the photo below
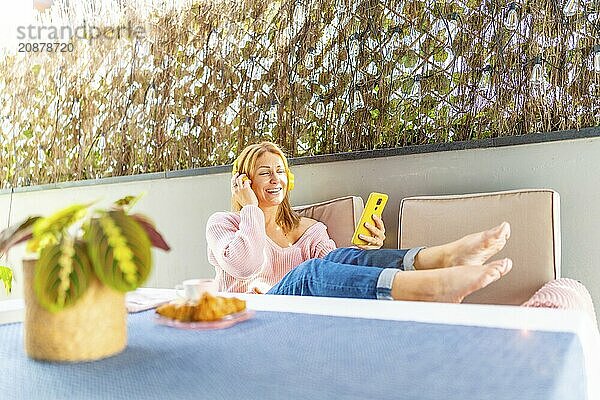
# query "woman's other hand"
(242, 191)
(375, 241)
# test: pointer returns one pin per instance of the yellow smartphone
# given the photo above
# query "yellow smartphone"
(375, 204)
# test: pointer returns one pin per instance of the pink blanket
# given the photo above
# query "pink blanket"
(563, 293)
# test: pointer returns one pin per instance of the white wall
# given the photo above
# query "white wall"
(181, 206)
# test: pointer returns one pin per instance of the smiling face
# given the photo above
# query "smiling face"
(269, 180)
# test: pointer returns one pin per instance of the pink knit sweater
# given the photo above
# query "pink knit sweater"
(244, 256)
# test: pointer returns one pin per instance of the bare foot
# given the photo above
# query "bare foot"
(477, 248)
(448, 285)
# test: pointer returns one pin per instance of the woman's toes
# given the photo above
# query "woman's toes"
(496, 270)
(503, 231)
(496, 236)
(484, 275)
(477, 248)
(506, 266)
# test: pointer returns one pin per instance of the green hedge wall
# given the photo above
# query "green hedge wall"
(316, 76)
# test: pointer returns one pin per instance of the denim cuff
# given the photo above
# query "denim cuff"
(384, 283)
(408, 261)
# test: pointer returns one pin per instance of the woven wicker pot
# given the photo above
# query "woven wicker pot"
(94, 328)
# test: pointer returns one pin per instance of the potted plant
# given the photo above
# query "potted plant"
(86, 259)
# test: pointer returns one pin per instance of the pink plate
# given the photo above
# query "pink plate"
(225, 322)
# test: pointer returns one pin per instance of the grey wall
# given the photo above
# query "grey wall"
(181, 206)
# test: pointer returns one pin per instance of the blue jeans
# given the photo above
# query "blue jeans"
(347, 272)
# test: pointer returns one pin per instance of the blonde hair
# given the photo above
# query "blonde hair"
(286, 217)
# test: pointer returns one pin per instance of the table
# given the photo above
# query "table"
(321, 348)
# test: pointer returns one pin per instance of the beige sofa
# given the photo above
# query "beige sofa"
(339, 215)
(534, 245)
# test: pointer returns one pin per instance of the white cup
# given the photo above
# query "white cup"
(192, 289)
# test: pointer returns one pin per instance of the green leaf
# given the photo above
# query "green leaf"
(119, 250)
(49, 230)
(410, 60)
(62, 275)
(441, 56)
(128, 202)
(6, 276)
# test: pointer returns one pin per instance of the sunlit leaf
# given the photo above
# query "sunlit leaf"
(48, 230)
(119, 250)
(6, 276)
(62, 274)
(128, 202)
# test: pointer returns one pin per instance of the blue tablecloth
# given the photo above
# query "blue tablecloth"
(300, 356)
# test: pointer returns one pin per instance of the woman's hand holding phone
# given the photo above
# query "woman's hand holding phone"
(375, 241)
(370, 231)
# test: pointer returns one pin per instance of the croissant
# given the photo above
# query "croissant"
(208, 308)
(181, 312)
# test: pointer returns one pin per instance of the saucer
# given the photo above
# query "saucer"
(225, 322)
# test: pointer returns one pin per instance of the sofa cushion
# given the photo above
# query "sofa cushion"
(339, 215)
(534, 245)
